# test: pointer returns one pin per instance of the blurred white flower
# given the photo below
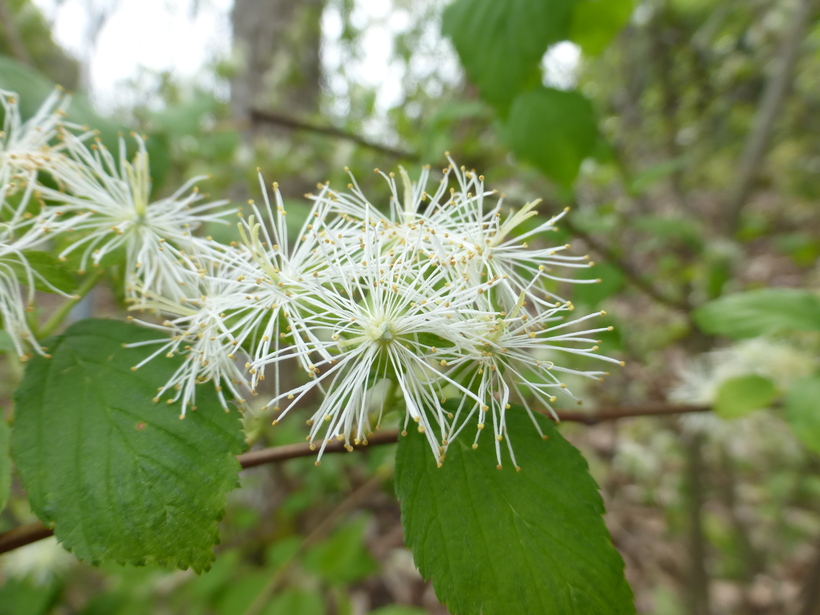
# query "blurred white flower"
(702, 376)
(30, 145)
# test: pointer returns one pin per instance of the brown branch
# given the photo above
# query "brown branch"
(697, 581)
(627, 412)
(23, 535)
(292, 451)
(26, 534)
(286, 121)
(638, 281)
(757, 143)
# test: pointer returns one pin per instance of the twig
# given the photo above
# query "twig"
(770, 105)
(629, 272)
(662, 49)
(697, 586)
(279, 119)
(751, 560)
(292, 451)
(33, 532)
(389, 436)
(23, 535)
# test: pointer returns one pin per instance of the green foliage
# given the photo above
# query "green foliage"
(296, 602)
(501, 44)
(499, 542)
(398, 609)
(612, 280)
(26, 598)
(120, 478)
(803, 411)
(53, 271)
(596, 22)
(758, 312)
(741, 395)
(651, 175)
(34, 33)
(342, 558)
(552, 129)
(5, 463)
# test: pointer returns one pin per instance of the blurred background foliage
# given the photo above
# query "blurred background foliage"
(683, 134)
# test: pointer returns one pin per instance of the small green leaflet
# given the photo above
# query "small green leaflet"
(803, 411)
(758, 312)
(119, 477)
(5, 462)
(739, 396)
(496, 542)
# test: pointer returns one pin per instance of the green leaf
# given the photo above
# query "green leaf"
(802, 405)
(25, 598)
(741, 395)
(5, 462)
(120, 478)
(54, 273)
(553, 130)
(296, 602)
(596, 22)
(499, 542)
(501, 43)
(342, 558)
(757, 312)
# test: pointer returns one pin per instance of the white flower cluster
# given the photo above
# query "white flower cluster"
(25, 148)
(60, 186)
(436, 301)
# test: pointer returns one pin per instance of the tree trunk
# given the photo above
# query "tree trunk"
(279, 43)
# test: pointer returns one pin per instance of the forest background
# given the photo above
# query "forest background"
(683, 134)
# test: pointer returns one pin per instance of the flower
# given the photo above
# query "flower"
(17, 236)
(107, 202)
(390, 316)
(451, 225)
(438, 303)
(505, 366)
(201, 331)
(29, 145)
